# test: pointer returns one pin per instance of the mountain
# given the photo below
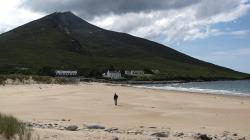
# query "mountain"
(64, 41)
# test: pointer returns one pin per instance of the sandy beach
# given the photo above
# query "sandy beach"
(140, 112)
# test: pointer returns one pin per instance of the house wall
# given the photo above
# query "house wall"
(112, 75)
(66, 73)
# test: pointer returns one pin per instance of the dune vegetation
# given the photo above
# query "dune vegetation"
(12, 128)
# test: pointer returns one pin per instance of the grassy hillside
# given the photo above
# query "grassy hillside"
(64, 41)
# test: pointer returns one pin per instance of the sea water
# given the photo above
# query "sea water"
(240, 88)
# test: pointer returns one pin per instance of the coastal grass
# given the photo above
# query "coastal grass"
(22, 79)
(10, 128)
(43, 79)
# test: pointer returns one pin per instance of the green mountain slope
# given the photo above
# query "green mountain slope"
(65, 41)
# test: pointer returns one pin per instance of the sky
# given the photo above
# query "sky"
(217, 31)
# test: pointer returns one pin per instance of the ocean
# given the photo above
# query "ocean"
(238, 88)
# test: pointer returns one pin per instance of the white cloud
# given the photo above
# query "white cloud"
(12, 15)
(241, 32)
(188, 23)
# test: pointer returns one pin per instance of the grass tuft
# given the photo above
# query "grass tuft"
(11, 128)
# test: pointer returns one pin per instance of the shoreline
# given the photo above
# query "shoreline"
(196, 92)
(229, 88)
(178, 91)
(29, 80)
(135, 86)
(133, 82)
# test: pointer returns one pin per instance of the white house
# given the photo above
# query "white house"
(65, 73)
(112, 74)
(134, 72)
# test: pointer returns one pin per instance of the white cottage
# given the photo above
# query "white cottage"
(62, 73)
(112, 74)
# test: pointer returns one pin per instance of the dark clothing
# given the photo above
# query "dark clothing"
(115, 98)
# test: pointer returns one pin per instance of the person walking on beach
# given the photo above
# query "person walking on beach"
(115, 99)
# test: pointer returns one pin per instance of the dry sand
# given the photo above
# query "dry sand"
(138, 110)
